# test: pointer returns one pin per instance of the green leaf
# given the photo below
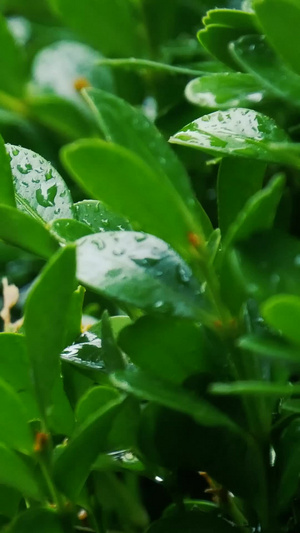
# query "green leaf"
(270, 349)
(191, 521)
(283, 14)
(92, 401)
(22, 230)
(14, 430)
(238, 180)
(287, 465)
(171, 349)
(48, 110)
(223, 26)
(72, 466)
(98, 217)
(17, 474)
(150, 388)
(282, 312)
(256, 57)
(258, 269)
(253, 388)
(112, 355)
(140, 270)
(7, 194)
(68, 230)
(236, 132)
(40, 191)
(85, 353)
(131, 188)
(258, 213)
(74, 63)
(12, 62)
(41, 520)
(45, 322)
(225, 89)
(108, 26)
(124, 125)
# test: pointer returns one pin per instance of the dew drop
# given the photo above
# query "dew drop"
(15, 152)
(99, 244)
(182, 274)
(46, 194)
(119, 252)
(140, 237)
(24, 170)
(297, 260)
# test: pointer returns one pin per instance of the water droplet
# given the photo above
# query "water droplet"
(119, 252)
(46, 194)
(297, 260)
(25, 184)
(159, 304)
(183, 274)
(99, 244)
(145, 261)
(114, 273)
(140, 237)
(15, 152)
(36, 180)
(57, 211)
(48, 175)
(24, 170)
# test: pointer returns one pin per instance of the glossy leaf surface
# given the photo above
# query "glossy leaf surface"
(256, 57)
(140, 270)
(282, 312)
(224, 90)
(139, 135)
(68, 230)
(236, 132)
(98, 217)
(131, 188)
(39, 189)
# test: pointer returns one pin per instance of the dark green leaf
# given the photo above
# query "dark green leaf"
(284, 15)
(39, 189)
(282, 312)
(258, 213)
(7, 194)
(238, 180)
(45, 322)
(150, 388)
(22, 230)
(287, 464)
(108, 26)
(98, 217)
(14, 430)
(224, 90)
(17, 474)
(172, 349)
(139, 135)
(112, 355)
(131, 188)
(86, 353)
(140, 270)
(72, 466)
(41, 520)
(192, 521)
(236, 132)
(269, 348)
(256, 57)
(68, 230)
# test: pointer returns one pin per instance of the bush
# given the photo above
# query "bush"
(149, 358)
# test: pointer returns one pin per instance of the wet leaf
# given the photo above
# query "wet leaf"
(236, 132)
(140, 270)
(98, 217)
(39, 189)
(224, 90)
(256, 57)
(68, 230)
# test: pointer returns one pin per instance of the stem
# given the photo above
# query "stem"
(13, 104)
(136, 64)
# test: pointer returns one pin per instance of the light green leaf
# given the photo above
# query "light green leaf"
(22, 230)
(282, 312)
(14, 430)
(256, 57)
(280, 20)
(98, 217)
(18, 474)
(68, 230)
(224, 90)
(133, 189)
(45, 322)
(128, 127)
(140, 270)
(40, 191)
(253, 388)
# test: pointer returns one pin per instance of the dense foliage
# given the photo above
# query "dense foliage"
(149, 355)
